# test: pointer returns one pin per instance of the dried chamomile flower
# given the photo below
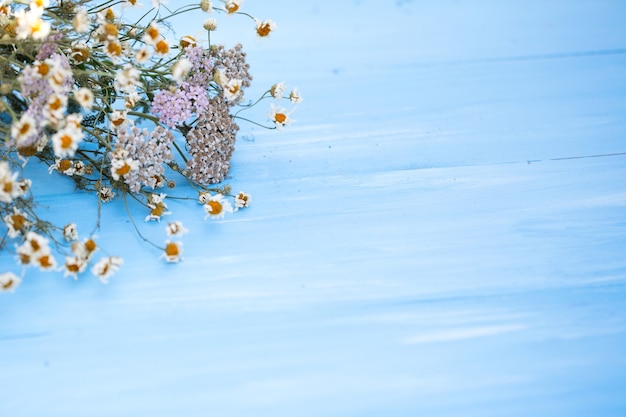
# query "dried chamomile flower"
(217, 207)
(106, 267)
(295, 96)
(242, 200)
(9, 282)
(173, 251)
(16, 222)
(70, 232)
(176, 229)
(264, 28)
(73, 266)
(279, 116)
(157, 207)
(277, 90)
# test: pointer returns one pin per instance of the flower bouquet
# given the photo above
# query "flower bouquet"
(123, 110)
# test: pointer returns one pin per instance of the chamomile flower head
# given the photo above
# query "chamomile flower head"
(232, 90)
(176, 229)
(279, 116)
(9, 282)
(9, 186)
(84, 97)
(210, 24)
(264, 28)
(106, 267)
(232, 6)
(181, 69)
(277, 90)
(106, 194)
(206, 6)
(295, 96)
(65, 141)
(81, 21)
(158, 207)
(85, 249)
(173, 251)
(217, 207)
(73, 266)
(122, 167)
(242, 200)
(29, 24)
(17, 223)
(70, 232)
(24, 128)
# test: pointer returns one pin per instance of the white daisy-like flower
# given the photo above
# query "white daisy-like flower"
(173, 251)
(70, 232)
(9, 186)
(84, 97)
(73, 266)
(157, 206)
(23, 128)
(232, 6)
(81, 21)
(279, 116)
(17, 223)
(176, 229)
(217, 207)
(121, 167)
(65, 141)
(181, 69)
(106, 194)
(210, 24)
(106, 267)
(85, 249)
(295, 96)
(277, 90)
(142, 55)
(242, 200)
(30, 24)
(232, 90)
(9, 281)
(264, 28)
(206, 6)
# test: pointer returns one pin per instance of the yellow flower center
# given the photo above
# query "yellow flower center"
(8, 187)
(43, 69)
(216, 207)
(56, 104)
(263, 29)
(18, 221)
(280, 118)
(25, 128)
(73, 268)
(152, 32)
(24, 258)
(157, 210)
(187, 41)
(110, 30)
(114, 48)
(35, 245)
(44, 261)
(66, 141)
(162, 47)
(232, 7)
(90, 245)
(171, 249)
(8, 284)
(64, 165)
(123, 170)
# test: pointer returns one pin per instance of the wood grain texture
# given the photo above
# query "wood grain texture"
(441, 232)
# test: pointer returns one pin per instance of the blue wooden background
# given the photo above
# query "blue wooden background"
(442, 232)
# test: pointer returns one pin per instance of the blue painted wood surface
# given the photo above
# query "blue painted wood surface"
(441, 233)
